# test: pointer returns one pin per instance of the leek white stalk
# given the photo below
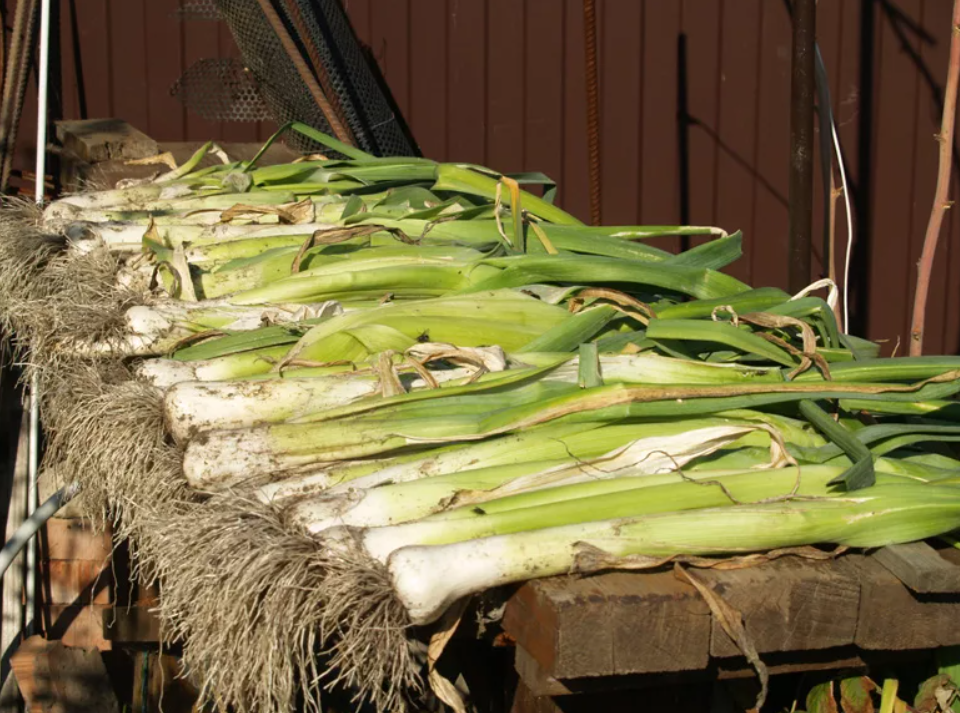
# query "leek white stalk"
(389, 504)
(428, 579)
(193, 407)
(555, 441)
(159, 328)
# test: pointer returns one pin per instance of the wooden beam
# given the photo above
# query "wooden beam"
(920, 567)
(54, 677)
(131, 625)
(789, 605)
(614, 624)
(95, 140)
(894, 618)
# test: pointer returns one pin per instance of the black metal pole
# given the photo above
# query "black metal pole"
(803, 90)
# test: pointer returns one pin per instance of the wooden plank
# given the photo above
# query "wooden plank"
(659, 693)
(920, 567)
(841, 659)
(133, 624)
(76, 582)
(160, 687)
(11, 630)
(615, 624)
(789, 605)
(526, 701)
(894, 618)
(75, 540)
(53, 677)
(76, 625)
(533, 678)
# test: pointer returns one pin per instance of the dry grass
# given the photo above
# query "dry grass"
(246, 595)
(271, 617)
(367, 630)
(52, 297)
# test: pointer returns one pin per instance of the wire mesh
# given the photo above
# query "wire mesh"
(319, 25)
(198, 10)
(221, 89)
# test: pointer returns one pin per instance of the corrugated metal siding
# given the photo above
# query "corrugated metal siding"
(501, 82)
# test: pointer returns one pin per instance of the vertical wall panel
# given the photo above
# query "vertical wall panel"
(660, 201)
(390, 43)
(621, 109)
(893, 174)
(201, 40)
(96, 51)
(737, 127)
(126, 21)
(164, 48)
(428, 75)
(701, 18)
(544, 96)
(467, 81)
(575, 188)
(506, 84)
(768, 245)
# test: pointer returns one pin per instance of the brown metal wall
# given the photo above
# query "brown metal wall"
(501, 82)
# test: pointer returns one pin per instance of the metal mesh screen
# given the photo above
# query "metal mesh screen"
(324, 25)
(221, 90)
(198, 10)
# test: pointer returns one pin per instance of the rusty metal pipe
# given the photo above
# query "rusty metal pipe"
(593, 107)
(290, 47)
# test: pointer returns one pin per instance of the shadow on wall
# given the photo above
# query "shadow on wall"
(911, 37)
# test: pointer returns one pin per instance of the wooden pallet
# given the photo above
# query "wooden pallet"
(626, 630)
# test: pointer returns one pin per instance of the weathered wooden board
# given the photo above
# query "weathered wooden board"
(95, 140)
(920, 567)
(788, 605)
(892, 617)
(131, 625)
(628, 624)
(613, 624)
(54, 677)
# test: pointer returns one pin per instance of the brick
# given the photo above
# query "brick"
(76, 625)
(77, 582)
(76, 540)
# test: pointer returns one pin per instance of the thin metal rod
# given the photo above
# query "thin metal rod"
(34, 522)
(339, 130)
(43, 77)
(803, 90)
(320, 71)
